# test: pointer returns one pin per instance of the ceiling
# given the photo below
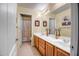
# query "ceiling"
(35, 6)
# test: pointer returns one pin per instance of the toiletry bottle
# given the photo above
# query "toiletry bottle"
(57, 33)
(47, 32)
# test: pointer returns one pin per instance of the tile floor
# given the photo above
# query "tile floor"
(27, 50)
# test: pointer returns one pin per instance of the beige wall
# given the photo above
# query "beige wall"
(22, 10)
(67, 30)
(35, 15)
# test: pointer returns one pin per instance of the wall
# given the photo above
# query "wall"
(3, 29)
(8, 28)
(34, 14)
(59, 17)
(11, 26)
(19, 29)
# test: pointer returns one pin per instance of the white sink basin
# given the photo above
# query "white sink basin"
(61, 42)
(50, 35)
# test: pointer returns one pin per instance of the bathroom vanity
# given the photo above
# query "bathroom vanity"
(50, 46)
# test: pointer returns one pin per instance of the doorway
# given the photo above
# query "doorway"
(26, 28)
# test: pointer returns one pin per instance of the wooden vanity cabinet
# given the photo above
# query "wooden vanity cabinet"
(49, 49)
(36, 42)
(59, 52)
(42, 47)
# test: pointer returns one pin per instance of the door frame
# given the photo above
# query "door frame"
(74, 28)
(78, 32)
(22, 23)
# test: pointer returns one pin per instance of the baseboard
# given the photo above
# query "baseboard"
(26, 41)
(13, 50)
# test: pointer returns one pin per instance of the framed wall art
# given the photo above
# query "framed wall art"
(66, 22)
(44, 23)
(37, 23)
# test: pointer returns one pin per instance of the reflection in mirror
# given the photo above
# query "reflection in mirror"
(51, 25)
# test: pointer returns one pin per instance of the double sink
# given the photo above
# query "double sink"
(61, 42)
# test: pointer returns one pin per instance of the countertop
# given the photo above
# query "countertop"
(56, 42)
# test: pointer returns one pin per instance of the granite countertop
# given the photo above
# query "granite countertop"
(56, 42)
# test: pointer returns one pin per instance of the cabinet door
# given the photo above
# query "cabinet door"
(42, 47)
(36, 41)
(60, 52)
(42, 51)
(49, 49)
(41, 43)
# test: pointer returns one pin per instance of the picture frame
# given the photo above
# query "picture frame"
(37, 23)
(66, 22)
(44, 23)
